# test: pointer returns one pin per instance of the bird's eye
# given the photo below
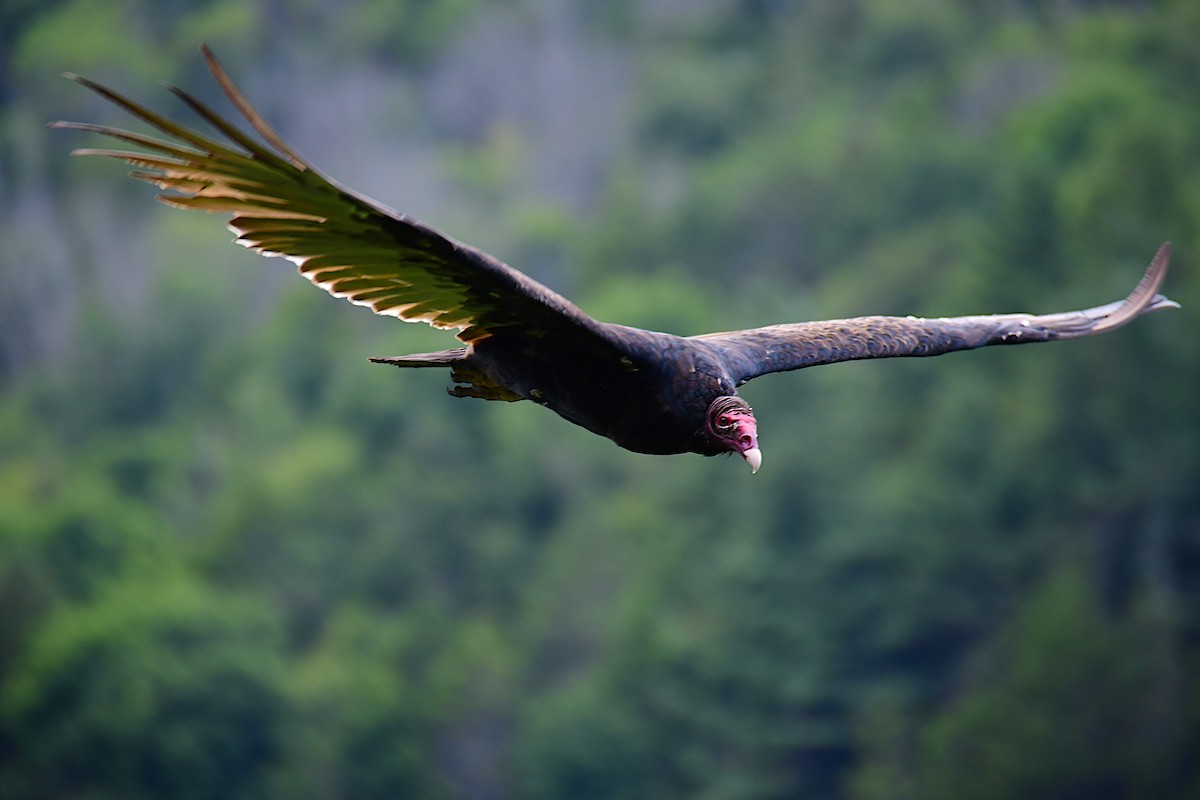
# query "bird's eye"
(724, 421)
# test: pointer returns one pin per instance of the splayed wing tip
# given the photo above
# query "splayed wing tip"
(1145, 296)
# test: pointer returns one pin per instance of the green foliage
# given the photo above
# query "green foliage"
(1056, 709)
(236, 560)
(82, 34)
(159, 688)
(353, 729)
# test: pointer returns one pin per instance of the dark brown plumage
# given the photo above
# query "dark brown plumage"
(648, 392)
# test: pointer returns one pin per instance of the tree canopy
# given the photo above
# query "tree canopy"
(237, 560)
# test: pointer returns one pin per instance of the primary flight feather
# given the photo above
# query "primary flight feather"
(649, 392)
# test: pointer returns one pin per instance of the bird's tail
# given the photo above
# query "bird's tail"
(442, 358)
(470, 381)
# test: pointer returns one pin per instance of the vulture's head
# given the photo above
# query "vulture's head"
(731, 424)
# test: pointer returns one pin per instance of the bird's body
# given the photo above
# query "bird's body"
(649, 392)
(664, 383)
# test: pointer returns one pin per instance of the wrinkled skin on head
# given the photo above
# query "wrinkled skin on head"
(731, 424)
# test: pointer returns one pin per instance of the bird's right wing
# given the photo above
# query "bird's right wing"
(750, 353)
(347, 244)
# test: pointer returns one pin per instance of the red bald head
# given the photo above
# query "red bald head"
(732, 425)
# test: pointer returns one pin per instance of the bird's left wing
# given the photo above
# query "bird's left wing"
(778, 348)
(345, 243)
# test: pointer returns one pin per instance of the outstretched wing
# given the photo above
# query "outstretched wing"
(778, 348)
(343, 242)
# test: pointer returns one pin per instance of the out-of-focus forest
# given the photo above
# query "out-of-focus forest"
(239, 561)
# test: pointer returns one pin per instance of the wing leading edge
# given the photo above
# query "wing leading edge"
(779, 348)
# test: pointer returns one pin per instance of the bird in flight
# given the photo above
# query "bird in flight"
(647, 391)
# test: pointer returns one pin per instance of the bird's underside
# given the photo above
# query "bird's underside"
(647, 391)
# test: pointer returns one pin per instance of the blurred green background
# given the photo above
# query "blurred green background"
(239, 561)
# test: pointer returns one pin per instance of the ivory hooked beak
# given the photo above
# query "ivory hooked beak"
(753, 457)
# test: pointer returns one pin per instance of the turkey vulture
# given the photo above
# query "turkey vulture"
(649, 392)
